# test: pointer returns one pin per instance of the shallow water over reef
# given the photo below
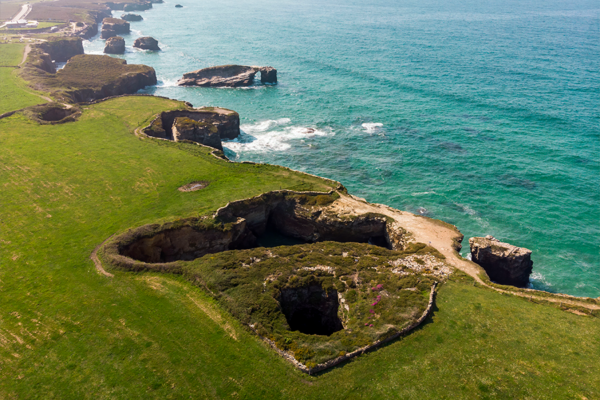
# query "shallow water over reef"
(481, 114)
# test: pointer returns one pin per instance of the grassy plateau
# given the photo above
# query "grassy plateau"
(68, 332)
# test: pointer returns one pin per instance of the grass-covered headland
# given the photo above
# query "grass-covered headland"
(67, 331)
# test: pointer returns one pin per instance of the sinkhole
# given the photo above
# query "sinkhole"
(311, 310)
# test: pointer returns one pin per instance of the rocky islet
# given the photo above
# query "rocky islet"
(504, 263)
(228, 76)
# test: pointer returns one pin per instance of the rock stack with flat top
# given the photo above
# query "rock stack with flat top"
(146, 43)
(115, 45)
(113, 27)
(504, 263)
(228, 76)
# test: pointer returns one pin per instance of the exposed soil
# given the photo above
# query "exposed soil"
(194, 186)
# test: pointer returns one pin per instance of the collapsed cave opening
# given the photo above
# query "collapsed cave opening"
(281, 221)
(54, 114)
(311, 310)
(189, 242)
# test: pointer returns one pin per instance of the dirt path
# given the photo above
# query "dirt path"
(97, 263)
(441, 237)
(25, 54)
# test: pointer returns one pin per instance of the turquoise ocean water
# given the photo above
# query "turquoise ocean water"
(483, 114)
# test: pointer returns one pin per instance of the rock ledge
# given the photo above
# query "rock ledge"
(504, 263)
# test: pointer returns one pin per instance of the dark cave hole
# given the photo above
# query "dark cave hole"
(311, 310)
(56, 114)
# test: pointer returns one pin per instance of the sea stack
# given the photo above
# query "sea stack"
(504, 263)
(132, 17)
(115, 45)
(146, 43)
(268, 75)
(113, 27)
(227, 76)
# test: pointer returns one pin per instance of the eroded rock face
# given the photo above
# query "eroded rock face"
(204, 132)
(146, 43)
(185, 243)
(132, 17)
(221, 76)
(63, 49)
(130, 79)
(247, 220)
(268, 75)
(113, 27)
(504, 263)
(115, 45)
(197, 125)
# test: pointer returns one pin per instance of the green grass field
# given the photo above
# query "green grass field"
(11, 54)
(68, 187)
(67, 332)
(14, 93)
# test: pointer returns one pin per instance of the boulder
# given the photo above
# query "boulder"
(268, 75)
(178, 6)
(113, 27)
(115, 45)
(146, 43)
(504, 263)
(132, 17)
(221, 76)
(204, 132)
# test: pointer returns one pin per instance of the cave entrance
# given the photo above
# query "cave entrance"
(311, 310)
(271, 237)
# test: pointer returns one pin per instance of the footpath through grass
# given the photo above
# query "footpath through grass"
(14, 94)
(68, 332)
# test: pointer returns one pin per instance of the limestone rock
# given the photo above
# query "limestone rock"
(228, 76)
(113, 27)
(221, 76)
(504, 263)
(196, 125)
(268, 75)
(132, 17)
(146, 43)
(204, 132)
(115, 45)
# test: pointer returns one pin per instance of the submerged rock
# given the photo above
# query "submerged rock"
(132, 17)
(228, 76)
(113, 27)
(115, 45)
(146, 43)
(178, 6)
(504, 263)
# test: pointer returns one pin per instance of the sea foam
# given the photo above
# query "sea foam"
(272, 135)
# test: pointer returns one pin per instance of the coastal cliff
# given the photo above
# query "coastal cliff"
(84, 77)
(206, 125)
